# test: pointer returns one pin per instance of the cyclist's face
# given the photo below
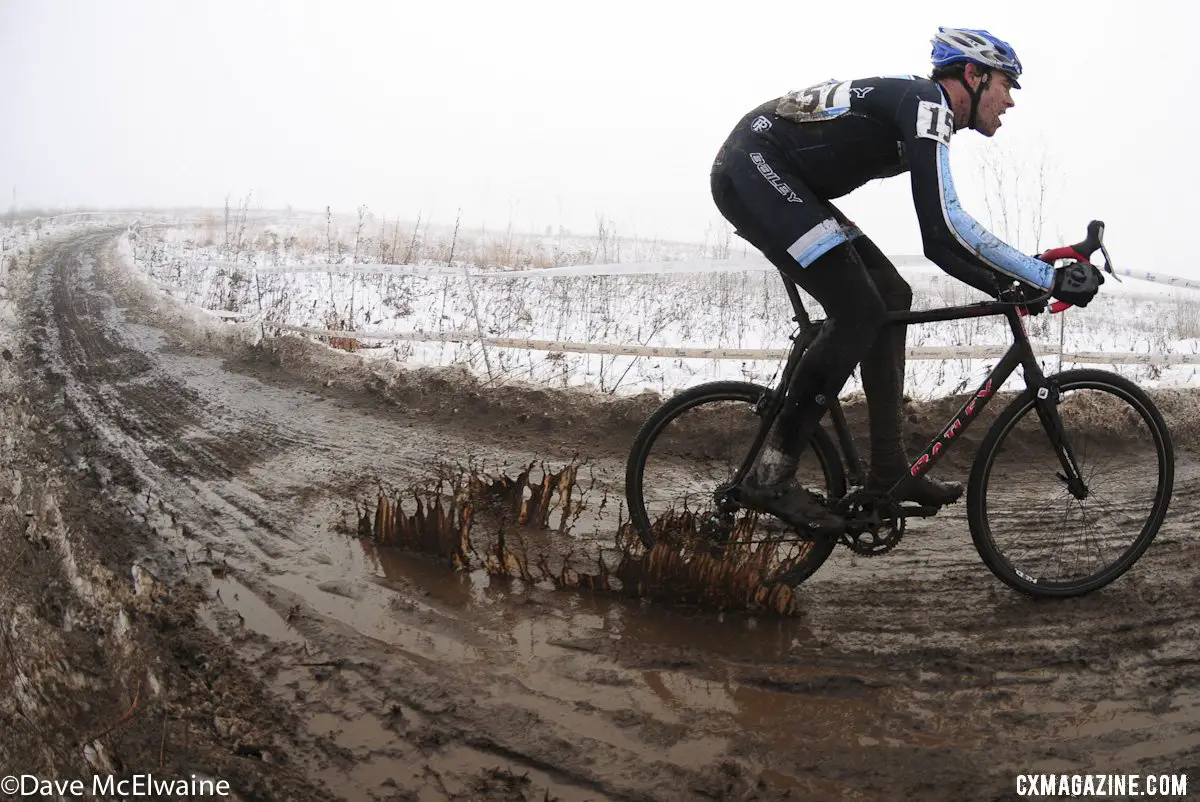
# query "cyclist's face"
(996, 100)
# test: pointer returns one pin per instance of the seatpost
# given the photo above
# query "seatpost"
(801, 317)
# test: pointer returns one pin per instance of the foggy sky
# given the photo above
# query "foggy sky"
(549, 113)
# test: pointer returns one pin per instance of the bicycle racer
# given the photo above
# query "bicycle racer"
(773, 180)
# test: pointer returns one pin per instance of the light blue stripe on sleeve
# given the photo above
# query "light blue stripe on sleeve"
(981, 242)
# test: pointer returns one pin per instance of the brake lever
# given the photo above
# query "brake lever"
(1108, 268)
(1085, 249)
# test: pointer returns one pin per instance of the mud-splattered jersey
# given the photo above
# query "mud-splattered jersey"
(838, 135)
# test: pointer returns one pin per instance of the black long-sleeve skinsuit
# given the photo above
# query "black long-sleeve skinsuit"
(773, 179)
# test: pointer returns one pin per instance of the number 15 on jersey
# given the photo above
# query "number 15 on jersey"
(935, 121)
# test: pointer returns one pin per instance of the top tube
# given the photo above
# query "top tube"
(962, 312)
(981, 309)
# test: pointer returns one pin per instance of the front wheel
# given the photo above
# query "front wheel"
(1037, 531)
(694, 444)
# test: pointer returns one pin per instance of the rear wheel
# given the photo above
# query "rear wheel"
(693, 445)
(1034, 531)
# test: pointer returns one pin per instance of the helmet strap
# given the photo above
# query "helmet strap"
(974, 95)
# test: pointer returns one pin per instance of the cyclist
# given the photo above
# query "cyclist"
(773, 179)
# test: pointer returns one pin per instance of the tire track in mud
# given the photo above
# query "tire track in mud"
(106, 662)
(915, 674)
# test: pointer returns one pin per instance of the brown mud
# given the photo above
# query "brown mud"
(182, 590)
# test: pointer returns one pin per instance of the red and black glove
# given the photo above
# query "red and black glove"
(1077, 283)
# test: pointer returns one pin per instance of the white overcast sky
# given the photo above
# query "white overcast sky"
(551, 113)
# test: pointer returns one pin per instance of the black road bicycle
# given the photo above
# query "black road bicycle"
(1067, 489)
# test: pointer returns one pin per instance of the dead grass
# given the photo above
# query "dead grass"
(334, 323)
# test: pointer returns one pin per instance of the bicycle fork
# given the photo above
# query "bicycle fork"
(1047, 397)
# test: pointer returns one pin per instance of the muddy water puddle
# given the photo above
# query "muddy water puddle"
(1125, 720)
(633, 675)
(252, 612)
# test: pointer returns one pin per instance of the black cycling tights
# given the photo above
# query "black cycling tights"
(856, 285)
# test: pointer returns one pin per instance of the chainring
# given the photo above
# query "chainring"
(874, 525)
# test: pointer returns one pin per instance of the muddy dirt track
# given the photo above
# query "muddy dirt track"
(182, 592)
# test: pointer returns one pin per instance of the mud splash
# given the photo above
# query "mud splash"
(494, 522)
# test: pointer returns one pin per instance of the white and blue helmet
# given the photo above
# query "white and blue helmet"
(958, 45)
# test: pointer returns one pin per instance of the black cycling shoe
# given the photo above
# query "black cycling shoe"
(925, 491)
(792, 503)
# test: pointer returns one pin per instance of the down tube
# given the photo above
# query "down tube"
(966, 413)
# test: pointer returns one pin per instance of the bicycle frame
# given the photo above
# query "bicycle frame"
(1020, 353)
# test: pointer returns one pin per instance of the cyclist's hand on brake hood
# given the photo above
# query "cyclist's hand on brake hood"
(1077, 283)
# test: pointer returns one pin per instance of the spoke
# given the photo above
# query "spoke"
(1091, 547)
(1062, 529)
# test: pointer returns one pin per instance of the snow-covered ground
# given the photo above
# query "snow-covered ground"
(713, 295)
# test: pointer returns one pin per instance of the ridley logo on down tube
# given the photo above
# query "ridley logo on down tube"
(982, 394)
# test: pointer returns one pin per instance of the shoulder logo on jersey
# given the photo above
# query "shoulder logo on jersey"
(774, 178)
(934, 122)
(760, 124)
(861, 91)
(821, 102)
